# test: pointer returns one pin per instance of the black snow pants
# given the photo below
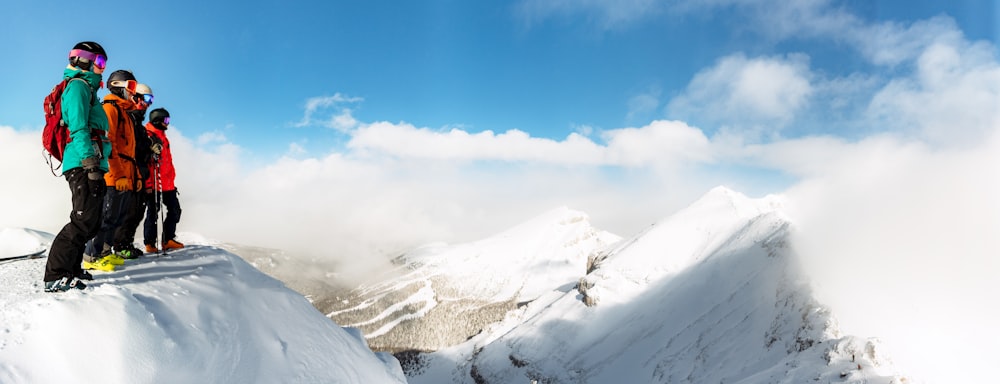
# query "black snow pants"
(66, 252)
(173, 216)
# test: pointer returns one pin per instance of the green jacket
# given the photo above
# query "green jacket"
(82, 111)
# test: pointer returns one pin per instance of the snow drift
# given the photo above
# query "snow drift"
(198, 315)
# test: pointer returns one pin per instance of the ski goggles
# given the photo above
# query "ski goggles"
(146, 98)
(100, 61)
(166, 120)
(127, 84)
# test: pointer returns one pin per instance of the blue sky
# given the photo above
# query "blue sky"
(549, 68)
(450, 120)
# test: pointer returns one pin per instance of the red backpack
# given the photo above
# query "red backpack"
(55, 135)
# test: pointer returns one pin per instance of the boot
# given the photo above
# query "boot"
(64, 284)
(172, 244)
(128, 252)
(114, 259)
(102, 264)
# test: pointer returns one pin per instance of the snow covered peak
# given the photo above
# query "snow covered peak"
(462, 288)
(720, 217)
(550, 247)
(722, 202)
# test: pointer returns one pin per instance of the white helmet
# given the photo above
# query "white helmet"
(143, 91)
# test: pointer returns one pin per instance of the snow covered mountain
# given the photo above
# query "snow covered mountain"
(197, 315)
(711, 294)
(440, 295)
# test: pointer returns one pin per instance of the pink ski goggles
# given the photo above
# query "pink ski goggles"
(100, 61)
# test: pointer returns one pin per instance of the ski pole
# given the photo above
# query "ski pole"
(158, 191)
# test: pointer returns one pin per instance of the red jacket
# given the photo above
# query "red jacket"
(165, 174)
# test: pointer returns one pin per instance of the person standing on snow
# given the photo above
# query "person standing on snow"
(143, 144)
(161, 185)
(134, 208)
(122, 179)
(84, 164)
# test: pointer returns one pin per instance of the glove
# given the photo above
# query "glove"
(123, 184)
(92, 165)
(156, 148)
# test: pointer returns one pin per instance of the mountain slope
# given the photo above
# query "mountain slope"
(440, 295)
(197, 315)
(711, 294)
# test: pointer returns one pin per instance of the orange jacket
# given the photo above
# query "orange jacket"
(121, 163)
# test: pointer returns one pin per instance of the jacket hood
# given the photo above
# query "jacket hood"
(92, 78)
(125, 105)
(151, 126)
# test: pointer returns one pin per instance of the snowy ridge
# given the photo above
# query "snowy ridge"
(554, 244)
(199, 314)
(709, 295)
(16, 242)
(720, 218)
(442, 294)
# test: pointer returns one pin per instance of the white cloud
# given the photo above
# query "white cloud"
(776, 19)
(659, 144)
(296, 149)
(939, 87)
(211, 137)
(641, 106)
(407, 141)
(744, 91)
(585, 130)
(890, 43)
(341, 119)
(884, 43)
(31, 197)
(900, 240)
(953, 98)
(344, 121)
(396, 187)
(357, 208)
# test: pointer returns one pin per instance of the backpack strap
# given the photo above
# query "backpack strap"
(61, 124)
(120, 120)
(115, 103)
(92, 93)
(135, 164)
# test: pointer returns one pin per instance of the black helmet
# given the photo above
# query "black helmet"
(157, 116)
(85, 53)
(118, 81)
